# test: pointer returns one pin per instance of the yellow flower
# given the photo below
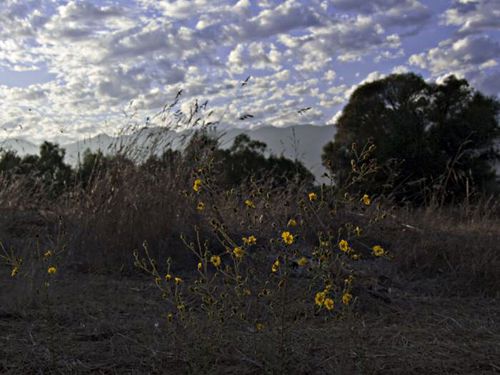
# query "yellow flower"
(200, 206)
(378, 250)
(48, 254)
(292, 223)
(346, 298)
(287, 238)
(168, 277)
(302, 261)
(358, 231)
(249, 203)
(170, 317)
(276, 266)
(312, 196)
(215, 259)
(319, 298)
(344, 245)
(51, 270)
(329, 304)
(250, 240)
(200, 266)
(355, 256)
(238, 252)
(259, 327)
(197, 185)
(177, 280)
(366, 200)
(14, 272)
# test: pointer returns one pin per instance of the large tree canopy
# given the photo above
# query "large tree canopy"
(429, 139)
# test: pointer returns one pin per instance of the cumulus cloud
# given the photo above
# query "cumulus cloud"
(473, 16)
(472, 57)
(101, 57)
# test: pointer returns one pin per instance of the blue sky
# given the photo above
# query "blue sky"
(70, 69)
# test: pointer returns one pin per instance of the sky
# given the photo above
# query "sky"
(74, 69)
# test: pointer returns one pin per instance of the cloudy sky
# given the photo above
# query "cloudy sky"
(73, 69)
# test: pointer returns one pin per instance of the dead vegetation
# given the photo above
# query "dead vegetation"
(430, 307)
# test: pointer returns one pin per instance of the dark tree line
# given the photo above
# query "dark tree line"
(231, 167)
(426, 139)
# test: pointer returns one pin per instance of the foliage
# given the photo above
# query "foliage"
(48, 167)
(245, 158)
(428, 139)
(267, 248)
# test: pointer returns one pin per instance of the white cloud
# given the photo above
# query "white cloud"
(473, 16)
(472, 57)
(463, 54)
(101, 55)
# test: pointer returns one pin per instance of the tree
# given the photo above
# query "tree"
(50, 167)
(92, 166)
(427, 138)
(9, 161)
(244, 159)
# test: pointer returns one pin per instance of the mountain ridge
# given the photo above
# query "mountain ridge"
(301, 142)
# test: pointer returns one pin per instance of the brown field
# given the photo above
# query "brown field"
(430, 307)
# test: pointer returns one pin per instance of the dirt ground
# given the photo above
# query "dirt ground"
(116, 325)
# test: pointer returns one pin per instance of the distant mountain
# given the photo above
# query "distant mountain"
(302, 142)
(19, 145)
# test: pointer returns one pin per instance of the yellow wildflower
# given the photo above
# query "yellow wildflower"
(249, 203)
(170, 317)
(51, 270)
(344, 245)
(312, 196)
(250, 240)
(358, 231)
(276, 266)
(329, 304)
(346, 298)
(200, 206)
(168, 277)
(355, 256)
(14, 272)
(319, 298)
(200, 266)
(302, 261)
(48, 254)
(177, 280)
(287, 238)
(238, 252)
(215, 260)
(197, 185)
(378, 250)
(292, 223)
(366, 200)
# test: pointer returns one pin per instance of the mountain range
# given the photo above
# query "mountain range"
(301, 142)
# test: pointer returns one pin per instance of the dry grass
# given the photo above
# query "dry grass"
(113, 325)
(431, 308)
